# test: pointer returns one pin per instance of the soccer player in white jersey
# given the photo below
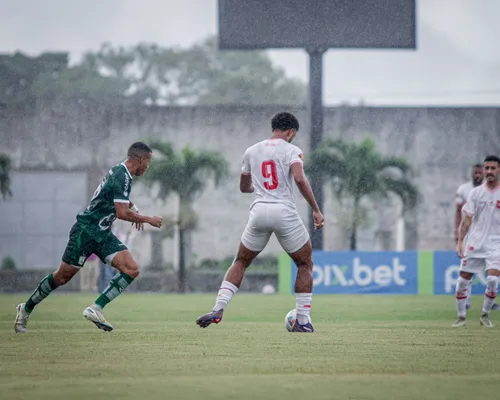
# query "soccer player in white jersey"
(268, 171)
(477, 175)
(481, 225)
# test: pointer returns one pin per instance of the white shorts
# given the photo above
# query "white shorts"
(268, 218)
(476, 265)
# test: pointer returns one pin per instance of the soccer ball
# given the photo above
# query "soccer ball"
(290, 320)
(268, 289)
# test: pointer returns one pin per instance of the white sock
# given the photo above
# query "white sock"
(469, 293)
(461, 295)
(226, 292)
(490, 294)
(303, 307)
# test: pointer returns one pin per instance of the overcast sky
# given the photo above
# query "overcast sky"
(457, 61)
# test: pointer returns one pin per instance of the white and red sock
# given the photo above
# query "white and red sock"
(226, 292)
(303, 307)
(469, 293)
(490, 294)
(461, 295)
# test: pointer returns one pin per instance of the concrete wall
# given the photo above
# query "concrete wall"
(35, 221)
(441, 144)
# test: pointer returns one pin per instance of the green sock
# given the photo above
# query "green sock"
(116, 285)
(45, 287)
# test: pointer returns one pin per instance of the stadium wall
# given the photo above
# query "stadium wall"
(441, 144)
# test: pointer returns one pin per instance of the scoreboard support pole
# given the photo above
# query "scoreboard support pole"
(316, 132)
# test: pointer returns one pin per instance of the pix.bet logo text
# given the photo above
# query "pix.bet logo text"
(359, 274)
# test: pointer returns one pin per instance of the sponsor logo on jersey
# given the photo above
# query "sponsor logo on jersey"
(127, 182)
(106, 222)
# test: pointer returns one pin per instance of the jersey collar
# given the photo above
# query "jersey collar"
(126, 169)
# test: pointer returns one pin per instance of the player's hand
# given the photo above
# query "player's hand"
(460, 250)
(319, 221)
(138, 225)
(156, 222)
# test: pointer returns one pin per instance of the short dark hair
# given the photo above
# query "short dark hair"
(284, 121)
(492, 158)
(477, 166)
(138, 149)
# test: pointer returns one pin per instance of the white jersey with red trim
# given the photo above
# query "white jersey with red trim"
(269, 164)
(483, 238)
(462, 192)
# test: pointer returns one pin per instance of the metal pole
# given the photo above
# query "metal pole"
(316, 134)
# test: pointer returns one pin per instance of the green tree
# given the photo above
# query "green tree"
(19, 72)
(201, 74)
(186, 174)
(24, 79)
(5, 171)
(148, 73)
(79, 83)
(356, 171)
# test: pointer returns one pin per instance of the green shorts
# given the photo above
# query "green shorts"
(80, 246)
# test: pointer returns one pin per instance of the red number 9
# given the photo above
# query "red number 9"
(269, 172)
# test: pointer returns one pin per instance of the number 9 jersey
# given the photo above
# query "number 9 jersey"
(269, 162)
(273, 209)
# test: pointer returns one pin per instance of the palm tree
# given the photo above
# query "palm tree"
(358, 171)
(186, 174)
(5, 169)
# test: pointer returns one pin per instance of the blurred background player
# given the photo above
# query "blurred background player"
(89, 275)
(481, 249)
(268, 170)
(477, 177)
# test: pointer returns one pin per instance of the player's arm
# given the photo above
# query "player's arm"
(458, 219)
(138, 225)
(462, 232)
(246, 185)
(464, 227)
(124, 212)
(303, 184)
(468, 211)
(459, 200)
(121, 193)
(305, 189)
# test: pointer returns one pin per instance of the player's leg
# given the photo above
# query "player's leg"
(229, 286)
(461, 292)
(294, 238)
(303, 288)
(253, 240)
(46, 286)
(468, 267)
(469, 295)
(490, 293)
(73, 258)
(115, 253)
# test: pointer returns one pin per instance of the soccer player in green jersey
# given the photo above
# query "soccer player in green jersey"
(91, 234)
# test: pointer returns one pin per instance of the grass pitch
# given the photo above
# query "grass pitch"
(367, 347)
